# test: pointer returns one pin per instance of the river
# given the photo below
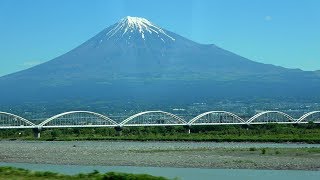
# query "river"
(181, 173)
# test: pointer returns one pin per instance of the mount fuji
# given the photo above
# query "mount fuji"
(135, 59)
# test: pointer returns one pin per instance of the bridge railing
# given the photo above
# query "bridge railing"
(271, 117)
(78, 119)
(216, 117)
(10, 121)
(152, 118)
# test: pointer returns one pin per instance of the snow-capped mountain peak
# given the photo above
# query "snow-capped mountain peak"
(129, 25)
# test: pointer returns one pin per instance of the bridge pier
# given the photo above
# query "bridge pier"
(37, 133)
(118, 130)
(188, 129)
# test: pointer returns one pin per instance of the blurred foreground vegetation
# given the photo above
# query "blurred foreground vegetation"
(308, 133)
(18, 173)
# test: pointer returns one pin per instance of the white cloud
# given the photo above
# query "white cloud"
(268, 18)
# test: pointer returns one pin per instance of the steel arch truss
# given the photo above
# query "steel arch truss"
(271, 117)
(153, 118)
(313, 116)
(8, 120)
(216, 118)
(78, 119)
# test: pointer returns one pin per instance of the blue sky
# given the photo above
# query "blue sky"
(280, 32)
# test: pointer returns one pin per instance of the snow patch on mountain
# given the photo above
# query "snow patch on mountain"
(136, 24)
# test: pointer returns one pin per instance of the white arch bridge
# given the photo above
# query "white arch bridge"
(81, 119)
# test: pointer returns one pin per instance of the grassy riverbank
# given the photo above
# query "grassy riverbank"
(306, 133)
(23, 174)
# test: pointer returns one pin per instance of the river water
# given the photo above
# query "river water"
(180, 173)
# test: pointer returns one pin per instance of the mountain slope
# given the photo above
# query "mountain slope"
(135, 59)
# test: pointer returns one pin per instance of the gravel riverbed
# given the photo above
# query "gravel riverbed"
(163, 154)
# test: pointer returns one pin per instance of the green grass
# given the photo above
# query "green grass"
(17, 173)
(307, 133)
